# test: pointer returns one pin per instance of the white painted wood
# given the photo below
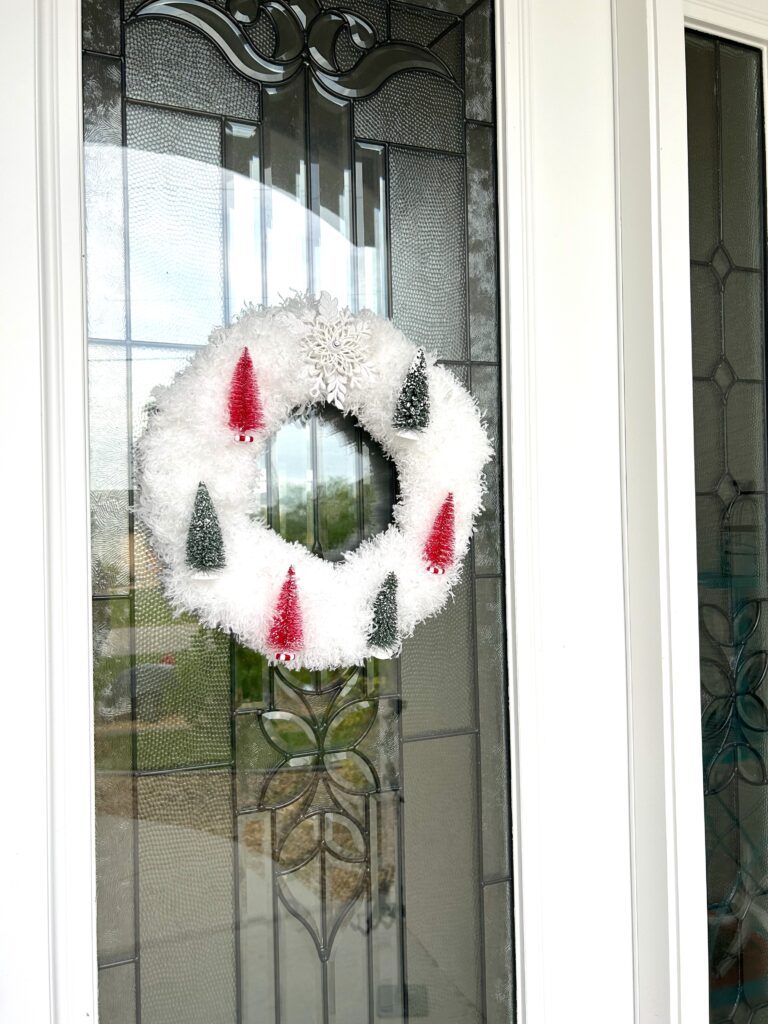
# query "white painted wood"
(47, 940)
(24, 892)
(745, 19)
(574, 906)
(659, 509)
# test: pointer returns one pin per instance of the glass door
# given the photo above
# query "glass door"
(238, 154)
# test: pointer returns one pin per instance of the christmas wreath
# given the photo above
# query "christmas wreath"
(198, 470)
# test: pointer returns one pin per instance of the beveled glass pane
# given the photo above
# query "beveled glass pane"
(286, 219)
(291, 511)
(371, 201)
(330, 156)
(339, 485)
(245, 201)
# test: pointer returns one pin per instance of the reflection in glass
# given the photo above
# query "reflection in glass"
(728, 240)
(371, 199)
(245, 264)
(285, 198)
(262, 833)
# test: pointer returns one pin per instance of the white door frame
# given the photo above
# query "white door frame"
(610, 898)
(47, 941)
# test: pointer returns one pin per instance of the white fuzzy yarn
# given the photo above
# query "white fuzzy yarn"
(188, 440)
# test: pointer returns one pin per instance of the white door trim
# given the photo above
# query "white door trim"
(659, 508)
(592, 753)
(564, 490)
(47, 942)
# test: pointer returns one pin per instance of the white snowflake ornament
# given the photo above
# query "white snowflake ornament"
(335, 347)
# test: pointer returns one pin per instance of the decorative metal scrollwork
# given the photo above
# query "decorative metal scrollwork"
(305, 35)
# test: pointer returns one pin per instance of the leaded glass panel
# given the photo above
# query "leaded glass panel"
(728, 286)
(293, 847)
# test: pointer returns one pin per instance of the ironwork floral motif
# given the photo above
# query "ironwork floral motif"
(734, 708)
(305, 35)
(318, 793)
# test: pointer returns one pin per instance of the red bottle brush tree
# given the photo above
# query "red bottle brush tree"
(286, 634)
(439, 547)
(245, 412)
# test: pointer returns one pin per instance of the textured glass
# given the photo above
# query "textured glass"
(257, 948)
(437, 671)
(457, 7)
(427, 219)
(182, 679)
(444, 914)
(101, 26)
(740, 83)
(186, 887)
(414, 108)
(104, 184)
(175, 223)
(703, 164)
(173, 64)
(478, 39)
(418, 26)
(253, 861)
(481, 228)
(117, 995)
(244, 206)
(114, 790)
(488, 542)
(726, 143)
(109, 468)
(494, 766)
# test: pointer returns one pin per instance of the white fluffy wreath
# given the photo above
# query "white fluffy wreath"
(306, 352)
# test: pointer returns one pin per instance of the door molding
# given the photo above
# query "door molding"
(667, 822)
(46, 861)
